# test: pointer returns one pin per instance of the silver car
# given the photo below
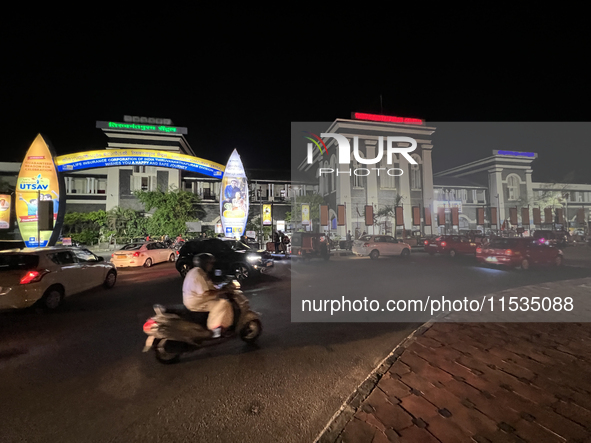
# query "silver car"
(47, 275)
(376, 245)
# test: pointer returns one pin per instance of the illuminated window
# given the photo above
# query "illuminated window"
(387, 181)
(513, 187)
(415, 176)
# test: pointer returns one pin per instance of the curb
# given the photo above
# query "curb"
(338, 421)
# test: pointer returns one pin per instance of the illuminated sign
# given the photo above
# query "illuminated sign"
(5, 211)
(516, 154)
(234, 198)
(37, 180)
(386, 118)
(267, 217)
(134, 157)
(142, 127)
(305, 214)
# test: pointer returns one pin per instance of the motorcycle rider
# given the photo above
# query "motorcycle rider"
(200, 295)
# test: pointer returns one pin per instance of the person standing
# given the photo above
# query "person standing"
(349, 243)
(276, 240)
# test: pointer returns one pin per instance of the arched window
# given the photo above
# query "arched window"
(332, 166)
(415, 173)
(513, 183)
(359, 181)
(388, 181)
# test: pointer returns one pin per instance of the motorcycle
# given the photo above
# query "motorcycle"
(175, 330)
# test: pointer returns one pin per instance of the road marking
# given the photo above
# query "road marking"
(257, 289)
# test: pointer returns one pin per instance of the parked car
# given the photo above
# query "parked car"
(376, 245)
(142, 254)
(519, 252)
(47, 275)
(555, 238)
(232, 257)
(451, 245)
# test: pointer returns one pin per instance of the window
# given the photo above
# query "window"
(415, 176)
(139, 169)
(387, 181)
(480, 196)
(359, 180)
(62, 258)
(85, 256)
(513, 187)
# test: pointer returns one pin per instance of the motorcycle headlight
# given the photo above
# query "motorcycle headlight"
(236, 284)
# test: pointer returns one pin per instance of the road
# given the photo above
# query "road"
(78, 375)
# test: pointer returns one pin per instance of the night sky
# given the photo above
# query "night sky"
(62, 75)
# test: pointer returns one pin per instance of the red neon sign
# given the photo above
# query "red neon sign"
(386, 118)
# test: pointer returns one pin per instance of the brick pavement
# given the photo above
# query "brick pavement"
(481, 382)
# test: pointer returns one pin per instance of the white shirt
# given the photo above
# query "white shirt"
(198, 290)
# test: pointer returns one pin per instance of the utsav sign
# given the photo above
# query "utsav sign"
(234, 198)
(37, 180)
(344, 154)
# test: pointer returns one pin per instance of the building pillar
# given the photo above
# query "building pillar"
(428, 186)
(404, 181)
(497, 198)
(343, 197)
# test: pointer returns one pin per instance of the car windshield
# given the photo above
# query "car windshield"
(18, 262)
(503, 243)
(238, 246)
(131, 247)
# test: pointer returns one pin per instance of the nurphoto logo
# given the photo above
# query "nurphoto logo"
(344, 154)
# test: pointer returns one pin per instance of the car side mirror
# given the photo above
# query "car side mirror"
(101, 258)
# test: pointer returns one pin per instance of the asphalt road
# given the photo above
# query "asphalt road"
(78, 375)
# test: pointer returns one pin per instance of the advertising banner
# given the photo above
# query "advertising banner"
(525, 216)
(281, 225)
(341, 215)
(135, 157)
(441, 215)
(537, 216)
(5, 211)
(37, 180)
(305, 214)
(267, 215)
(494, 219)
(548, 216)
(416, 216)
(513, 216)
(480, 216)
(560, 215)
(234, 200)
(323, 215)
(455, 219)
(427, 216)
(399, 216)
(581, 216)
(368, 215)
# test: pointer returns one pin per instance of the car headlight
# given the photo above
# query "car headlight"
(236, 284)
(253, 258)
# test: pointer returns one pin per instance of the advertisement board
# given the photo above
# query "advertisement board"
(305, 214)
(5, 201)
(267, 215)
(234, 199)
(135, 157)
(37, 180)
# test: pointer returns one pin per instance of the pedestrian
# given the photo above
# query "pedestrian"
(276, 240)
(285, 242)
(349, 243)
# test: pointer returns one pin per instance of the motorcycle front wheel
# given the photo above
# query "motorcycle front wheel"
(251, 331)
(163, 356)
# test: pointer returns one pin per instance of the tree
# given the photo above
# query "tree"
(172, 210)
(314, 200)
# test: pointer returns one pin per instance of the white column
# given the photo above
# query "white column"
(428, 185)
(404, 181)
(343, 185)
(497, 198)
(372, 179)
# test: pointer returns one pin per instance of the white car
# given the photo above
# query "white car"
(376, 245)
(142, 254)
(47, 275)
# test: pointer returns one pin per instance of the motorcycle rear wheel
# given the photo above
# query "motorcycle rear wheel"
(251, 331)
(164, 357)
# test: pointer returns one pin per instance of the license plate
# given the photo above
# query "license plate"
(491, 259)
(149, 342)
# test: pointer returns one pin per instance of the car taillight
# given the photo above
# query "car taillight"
(366, 245)
(478, 250)
(136, 254)
(32, 277)
(148, 325)
(508, 252)
(112, 255)
(443, 244)
(177, 252)
(426, 242)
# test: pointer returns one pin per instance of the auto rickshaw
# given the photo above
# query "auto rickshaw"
(307, 245)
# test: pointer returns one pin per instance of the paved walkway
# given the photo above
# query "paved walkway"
(482, 382)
